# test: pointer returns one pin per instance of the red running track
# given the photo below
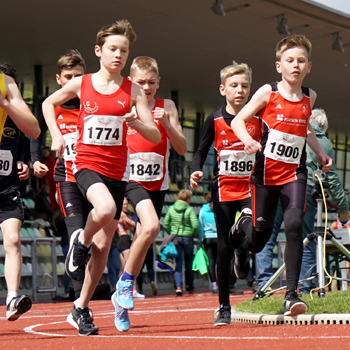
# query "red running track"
(164, 322)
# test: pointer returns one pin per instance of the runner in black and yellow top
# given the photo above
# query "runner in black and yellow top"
(231, 189)
(12, 169)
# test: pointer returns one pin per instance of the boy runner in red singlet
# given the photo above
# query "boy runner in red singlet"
(149, 167)
(74, 206)
(284, 109)
(15, 118)
(101, 166)
(230, 191)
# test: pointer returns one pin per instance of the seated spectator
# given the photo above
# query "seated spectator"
(42, 204)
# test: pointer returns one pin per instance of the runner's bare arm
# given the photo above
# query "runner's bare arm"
(313, 143)
(66, 93)
(258, 101)
(18, 110)
(145, 125)
(169, 118)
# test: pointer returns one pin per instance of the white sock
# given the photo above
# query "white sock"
(214, 285)
(80, 240)
(11, 295)
(77, 305)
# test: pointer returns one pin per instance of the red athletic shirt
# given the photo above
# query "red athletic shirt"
(101, 145)
(66, 119)
(284, 130)
(234, 165)
(149, 162)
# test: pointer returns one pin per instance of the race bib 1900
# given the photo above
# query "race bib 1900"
(236, 163)
(284, 147)
(6, 160)
(146, 166)
(103, 130)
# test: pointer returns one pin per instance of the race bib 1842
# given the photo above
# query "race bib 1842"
(146, 166)
(284, 147)
(236, 163)
(103, 130)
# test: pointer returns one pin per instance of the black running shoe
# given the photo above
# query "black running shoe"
(76, 257)
(236, 236)
(17, 307)
(293, 306)
(82, 321)
(223, 316)
(242, 265)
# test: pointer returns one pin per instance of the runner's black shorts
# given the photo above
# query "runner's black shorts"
(86, 178)
(11, 206)
(137, 193)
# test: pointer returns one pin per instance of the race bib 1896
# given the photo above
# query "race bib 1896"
(103, 130)
(146, 166)
(284, 147)
(6, 160)
(236, 163)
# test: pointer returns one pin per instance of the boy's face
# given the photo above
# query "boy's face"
(114, 52)
(294, 64)
(149, 81)
(236, 89)
(68, 74)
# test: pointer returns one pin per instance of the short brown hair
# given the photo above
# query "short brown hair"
(144, 63)
(71, 59)
(291, 41)
(234, 69)
(121, 27)
(185, 194)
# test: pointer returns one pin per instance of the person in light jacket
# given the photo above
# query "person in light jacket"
(181, 219)
(207, 235)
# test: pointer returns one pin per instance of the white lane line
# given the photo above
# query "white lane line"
(31, 330)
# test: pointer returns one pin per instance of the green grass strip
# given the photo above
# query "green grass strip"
(333, 303)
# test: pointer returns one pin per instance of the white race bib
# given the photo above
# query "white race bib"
(6, 160)
(103, 130)
(236, 163)
(284, 147)
(146, 166)
(69, 151)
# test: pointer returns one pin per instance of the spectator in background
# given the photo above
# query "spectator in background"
(42, 204)
(125, 224)
(319, 123)
(149, 262)
(60, 230)
(207, 235)
(113, 262)
(181, 219)
(49, 162)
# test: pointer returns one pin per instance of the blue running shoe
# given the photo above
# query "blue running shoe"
(124, 294)
(121, 320)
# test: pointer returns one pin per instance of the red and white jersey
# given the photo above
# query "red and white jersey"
(284, 130)
(101, 145)
(149, 162)
(66, 119)
(234, 165)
